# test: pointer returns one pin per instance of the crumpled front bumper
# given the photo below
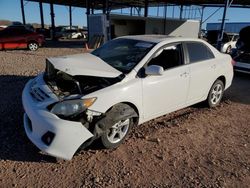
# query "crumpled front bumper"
(38, 121)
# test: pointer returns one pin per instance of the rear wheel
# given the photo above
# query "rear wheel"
(33, 46)
(215, 93)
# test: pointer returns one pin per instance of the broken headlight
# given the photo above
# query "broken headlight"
(72, 107)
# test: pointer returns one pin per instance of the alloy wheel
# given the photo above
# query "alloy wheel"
(216, 93)
(33, 46)
(118, 131)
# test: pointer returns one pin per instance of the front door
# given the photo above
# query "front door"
(167, 92)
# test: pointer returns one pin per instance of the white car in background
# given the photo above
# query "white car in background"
(77, 35)
(125, 82)
(229, 43)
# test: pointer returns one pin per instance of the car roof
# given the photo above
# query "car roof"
(159, 38)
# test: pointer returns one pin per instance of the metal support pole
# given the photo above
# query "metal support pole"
(23, 14)
(173, 12)
(201, 20)
(92, 8)
(190, 12)
(195, 14)
(181, 11)
(158, 11)
(70, 17)
(222, 25)
(41, 13)
(138, 11)
(52, 15)
(165, 18)
(108, 20)
(104, 7)
(146, 9)
(131, 11)
(87, 13)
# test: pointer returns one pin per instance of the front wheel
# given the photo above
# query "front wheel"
(33, 46)
(116, 134)
(215, 94)
(117, 124)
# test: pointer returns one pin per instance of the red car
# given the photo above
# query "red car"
(19, 37)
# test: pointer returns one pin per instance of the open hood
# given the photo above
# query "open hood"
(84, 64)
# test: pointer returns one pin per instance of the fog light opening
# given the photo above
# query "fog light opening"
(48, 137)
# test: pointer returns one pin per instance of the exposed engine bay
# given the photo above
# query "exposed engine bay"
(64, 85)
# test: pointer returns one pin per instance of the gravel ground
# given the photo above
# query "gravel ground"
(193, 147)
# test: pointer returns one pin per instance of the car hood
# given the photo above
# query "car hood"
(84, 64)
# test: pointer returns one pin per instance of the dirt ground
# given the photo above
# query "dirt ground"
(193, 147)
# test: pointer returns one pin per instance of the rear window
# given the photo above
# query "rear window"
(198, 52)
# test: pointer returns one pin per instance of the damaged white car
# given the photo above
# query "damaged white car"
(127, 81)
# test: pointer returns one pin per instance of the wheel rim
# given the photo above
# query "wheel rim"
(118, 131)
(216, 94)
(33, 46)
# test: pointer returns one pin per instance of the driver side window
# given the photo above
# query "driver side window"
(168, 57)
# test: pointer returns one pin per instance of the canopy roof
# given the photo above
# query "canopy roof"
(115, 4)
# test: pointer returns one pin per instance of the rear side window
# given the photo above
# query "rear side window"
(198, 52)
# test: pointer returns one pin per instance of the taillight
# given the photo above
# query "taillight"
(233, 62)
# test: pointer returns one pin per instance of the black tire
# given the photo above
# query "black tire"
(33, 46)
(117, 125)
(215, 94)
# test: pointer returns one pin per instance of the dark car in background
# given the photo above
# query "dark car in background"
(242, 54)
(20, 38)
(242, 63)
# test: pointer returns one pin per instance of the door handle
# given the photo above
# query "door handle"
(185, 74)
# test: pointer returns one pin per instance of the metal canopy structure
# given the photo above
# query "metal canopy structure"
(107, 5)
(116, 4)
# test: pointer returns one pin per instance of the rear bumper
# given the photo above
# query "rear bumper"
(38, 121)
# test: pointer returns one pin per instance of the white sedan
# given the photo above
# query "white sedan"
(229, 42)
(126, 82)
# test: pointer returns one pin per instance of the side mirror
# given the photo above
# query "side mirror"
(154, 70)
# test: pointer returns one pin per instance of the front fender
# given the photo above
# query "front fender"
(128, 92)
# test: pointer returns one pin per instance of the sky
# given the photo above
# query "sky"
(10, 10)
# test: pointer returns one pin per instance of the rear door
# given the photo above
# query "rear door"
(203, 67)
(167, 92)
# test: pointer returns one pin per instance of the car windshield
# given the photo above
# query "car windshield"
(123, 54)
